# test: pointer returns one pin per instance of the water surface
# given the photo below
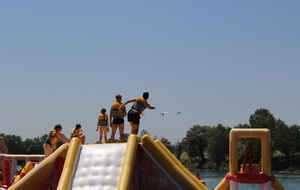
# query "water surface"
(213, 178)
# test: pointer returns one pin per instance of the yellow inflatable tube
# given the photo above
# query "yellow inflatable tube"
(276, 185)
(263, 134)
(223, 185)
(167, 163)
(71, 159)
(38, 178)
(176, 161)
(128, 163)
(29, 166)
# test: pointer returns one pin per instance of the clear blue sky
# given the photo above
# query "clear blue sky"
(216, 62)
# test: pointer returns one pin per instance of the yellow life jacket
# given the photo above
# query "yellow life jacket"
(140, 104)
(103, 119)
(75, 132)
(116, 113)
(52, 138)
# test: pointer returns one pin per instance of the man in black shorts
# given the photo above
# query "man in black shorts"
(117, 119)
(139, 105)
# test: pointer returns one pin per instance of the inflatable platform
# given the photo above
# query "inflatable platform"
(131, 165)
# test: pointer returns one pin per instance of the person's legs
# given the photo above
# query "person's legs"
(101, 132)
(121, 131)
(105, 134)
(244, 164)
(82, 139)
(113, 133)
(250, 165)
(134, 121)
(47, 150)
(134, 128)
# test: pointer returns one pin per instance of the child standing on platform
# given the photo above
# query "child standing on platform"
(103, 125)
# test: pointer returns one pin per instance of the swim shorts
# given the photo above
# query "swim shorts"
(104, 127)
(47, 141)
(118, 121)
(133, 117)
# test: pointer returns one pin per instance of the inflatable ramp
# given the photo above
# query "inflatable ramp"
(131, 165)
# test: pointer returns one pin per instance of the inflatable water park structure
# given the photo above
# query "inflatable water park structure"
(131, 165)
(8, 163)
(263, 177)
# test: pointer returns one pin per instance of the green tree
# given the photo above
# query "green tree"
(167, 144)
(295, 145)
(282, 139)
(195, 142)
(263, 118)
(295, 136)
(43, 138)
(286, 140)
(29, 146)
(178, 149)
(242, 126)
(14, 144)
(142, 133)
(218, 144)
(35, 145)
(126, 135)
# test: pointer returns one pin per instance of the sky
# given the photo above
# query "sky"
(216, 62)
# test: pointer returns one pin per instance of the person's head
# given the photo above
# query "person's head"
(103, 111)
(250, 144)
(119, 97)
(58, 127)
(198, 175)
(146, 95)
(78, 126)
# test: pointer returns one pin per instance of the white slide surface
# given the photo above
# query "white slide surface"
(98, 167)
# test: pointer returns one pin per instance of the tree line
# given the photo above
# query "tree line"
(208, 146)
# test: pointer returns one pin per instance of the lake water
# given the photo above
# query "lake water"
(213, 178)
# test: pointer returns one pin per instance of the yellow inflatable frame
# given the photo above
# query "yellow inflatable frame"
(265, 136)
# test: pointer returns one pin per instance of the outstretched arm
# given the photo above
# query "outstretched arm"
(62, 137)
(151, 107)
(124, 112)
(127, 102)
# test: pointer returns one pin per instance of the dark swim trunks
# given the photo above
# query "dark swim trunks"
(118, 121)
(133, 117)
(47, 141)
